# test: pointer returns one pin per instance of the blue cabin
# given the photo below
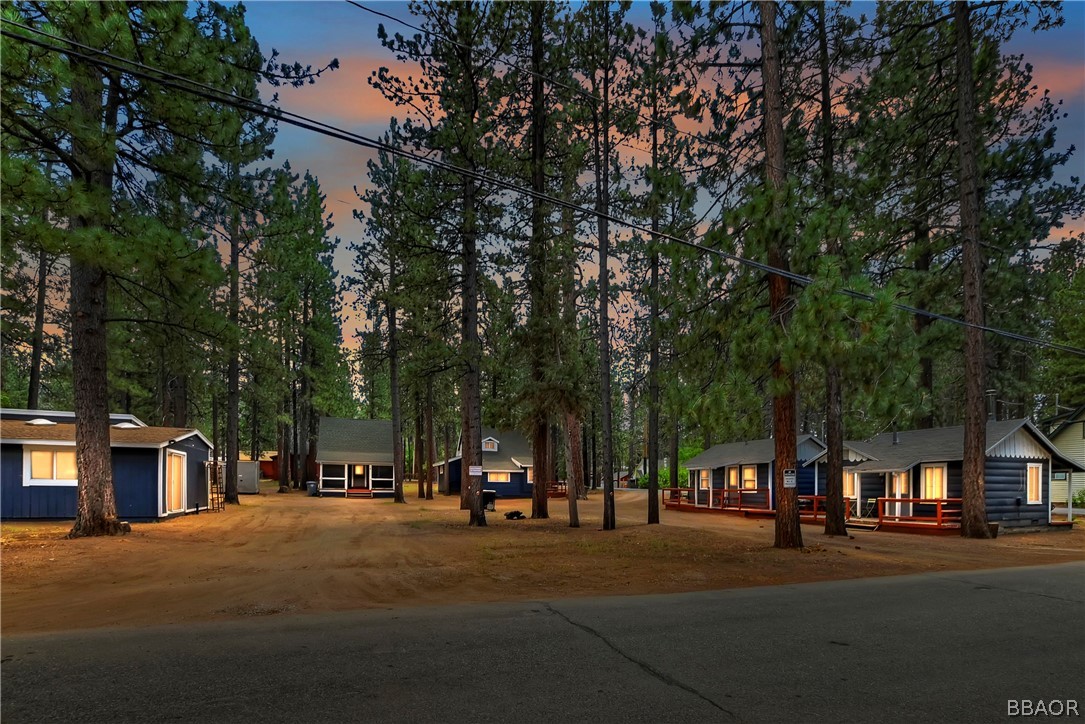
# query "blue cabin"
(506, 466)
(915, 477)
(158, 472)
(355, 458)
(740, 475)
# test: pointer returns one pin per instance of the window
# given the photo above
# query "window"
(333, 476)
(732, 478)
(49, 466)
(749, 477)
(851, 485)
(359, 470)
(489, 445)
(1034, 485)
(900, 485)
(498, 477)
(529, 476)
(704, 479)
(934, 481)
(381, 477)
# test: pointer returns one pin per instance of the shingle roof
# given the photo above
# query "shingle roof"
(513, 451)
(939, 444)
(11, 430)
(749, 452)
(349, 441)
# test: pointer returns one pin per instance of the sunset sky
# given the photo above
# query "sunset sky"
(315, 32)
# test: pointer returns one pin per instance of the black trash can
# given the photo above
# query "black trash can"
(489, 500)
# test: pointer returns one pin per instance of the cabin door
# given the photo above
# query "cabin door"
(898, 488)
(175, 482)
(359, 477)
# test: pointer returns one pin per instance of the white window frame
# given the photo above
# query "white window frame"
(323, 476)
(734, 478)
(704, 479)
(489, 445)
(742, 479)
(381, 483)
(54, 481)
(945, 481)
(490, 477)
(1039, 468)
(184, 481)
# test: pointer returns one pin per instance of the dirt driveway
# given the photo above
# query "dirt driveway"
(282, 554)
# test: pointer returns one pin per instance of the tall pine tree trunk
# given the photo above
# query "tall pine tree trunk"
(835, 514)
(398, 462)
(653, 326)
(974, 513)
(431, 440)
(538, 253)
(419, 447)
(601, 139)
(575, 464)
(233, 369)
(96, 509)
(471, 383)
(788, 530)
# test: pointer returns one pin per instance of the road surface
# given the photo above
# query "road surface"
(940, 647)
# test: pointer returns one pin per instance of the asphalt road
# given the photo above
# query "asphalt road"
(942, 647)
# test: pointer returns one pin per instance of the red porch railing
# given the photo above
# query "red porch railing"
(557, 489)
(812, 507)
(721, 498)
(947, 511)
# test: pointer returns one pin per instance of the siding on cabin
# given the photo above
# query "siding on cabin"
(1071, 443)
(454, 469)
(135, 482)
(34, 501)
(517, 487)
(1005, 484)
(197, 453)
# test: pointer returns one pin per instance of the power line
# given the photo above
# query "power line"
(208, 92)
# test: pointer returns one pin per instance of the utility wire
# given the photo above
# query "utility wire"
(165, 78)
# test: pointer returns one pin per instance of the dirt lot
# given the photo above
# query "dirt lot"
(283, 554)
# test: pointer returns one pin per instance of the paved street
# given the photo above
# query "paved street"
(941, 647)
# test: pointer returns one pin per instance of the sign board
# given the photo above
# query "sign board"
(790, 479)
(474, 470)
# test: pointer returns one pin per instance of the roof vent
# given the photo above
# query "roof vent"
(126, 426)
(40, 422)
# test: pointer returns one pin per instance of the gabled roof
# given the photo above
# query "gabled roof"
(64, 433)
(11, 413)
(750, 452)
(354, 441)
(1058, 423)
(936, 445)
(513, 452)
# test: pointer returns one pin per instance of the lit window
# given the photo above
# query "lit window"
(749, 477)
(498, 477)
(851, 484)
(934, 481)
(732, 478)
(43, 466)
(489, 445)
(529, 477)
(704, 479)
(1035, 489)
(359, 469)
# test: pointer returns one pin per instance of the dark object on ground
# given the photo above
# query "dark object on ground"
(515, 515)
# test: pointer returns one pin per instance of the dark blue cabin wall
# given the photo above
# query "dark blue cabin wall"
(454, 469)
(955, 479)
(197, 453)
(1005, 482)
(806, 478)
(871, 485)
(135, 482)
(517, 486)
(35, 501)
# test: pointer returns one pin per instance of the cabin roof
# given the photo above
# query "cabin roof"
(12, 413)
(513, 451)
(346, 441)
(938, 444)
(64, 432)
(749, 452)
(1058, 423)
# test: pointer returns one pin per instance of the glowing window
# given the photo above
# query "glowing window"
(934, 481)
(44, 466)
(749, 477)
(732, 478)
(704, 480)
(1035, 489)
(489, 445)
(498, 477)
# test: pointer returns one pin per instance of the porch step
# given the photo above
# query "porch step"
(862, 525)
(351, 493)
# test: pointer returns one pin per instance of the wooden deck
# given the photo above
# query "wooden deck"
(945, 519)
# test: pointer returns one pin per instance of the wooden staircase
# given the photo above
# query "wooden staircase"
(359, 493)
